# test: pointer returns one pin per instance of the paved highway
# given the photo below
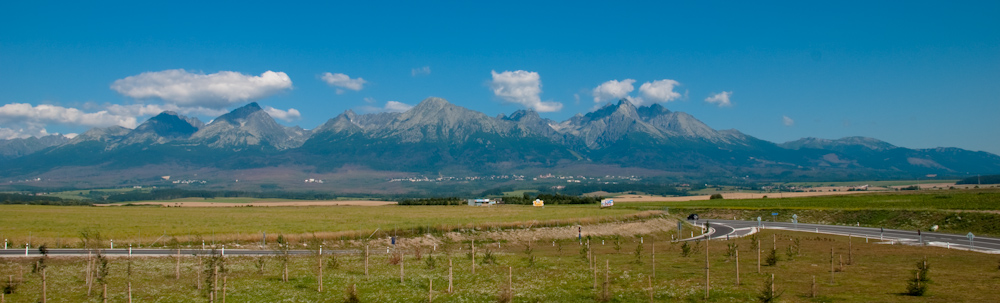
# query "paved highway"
(736, 228)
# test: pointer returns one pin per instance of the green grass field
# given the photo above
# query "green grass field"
(871, 273)
(63, 224)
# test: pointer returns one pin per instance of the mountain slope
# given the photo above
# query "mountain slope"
(437, 137)
(248, 127)
(13, 148)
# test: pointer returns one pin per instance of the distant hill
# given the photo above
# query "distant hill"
(437, 137)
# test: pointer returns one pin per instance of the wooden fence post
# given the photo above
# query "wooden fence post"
(89, 279)
(813, 294)
(607, 280)
(831, 265)
(737, 267)
(510, 282)
(652, 247)
(177, 268)
(473, 257)
(850, 250)
(44, 289)
(366, 260)
(708, 286)
(319, 263)
(449, 275)
(758, 256)
(402, 259)
(224, 286)
(650, 289)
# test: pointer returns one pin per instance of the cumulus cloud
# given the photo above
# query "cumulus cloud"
(21, 133)
(287, 115)
(720, 99)
(46, 114)
(420, 71)
(343, 81)
(613, 90)
(390, 106)
(787, 121)
(660, 90)
(522, 87)
(394, 106)
(217, 90)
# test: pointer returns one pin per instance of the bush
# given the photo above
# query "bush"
(767, 293)
(685, 249)
(917, 285)
(772, 258)
(715, 197)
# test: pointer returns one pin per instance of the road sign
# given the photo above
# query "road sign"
(794, 216)
(774, 214)
(680, 226)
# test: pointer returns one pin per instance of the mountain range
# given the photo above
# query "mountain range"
(436, 137)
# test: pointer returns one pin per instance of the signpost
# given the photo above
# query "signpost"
(774, 217)
(971, 236)
(758, 222)
(795, 220)
(680, 227)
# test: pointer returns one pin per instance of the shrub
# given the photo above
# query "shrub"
(351, 294)
(917, 285)
(488, 257)
(772, 258)
(638, 254)
(767, 293)
(685, 250)
(431, 262)
(715, 197)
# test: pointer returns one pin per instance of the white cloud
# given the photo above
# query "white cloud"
(787, 121)
(21, 133)
(390, 106)
(217, 90)
(394, 106)
(369, 100)
(45, 114)
(720, 99)
(426, 70)
(343, 81)
(522, 87)
(289, 115)
(613, 90)
(660, 90)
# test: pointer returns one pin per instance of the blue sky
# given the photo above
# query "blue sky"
(915, 74)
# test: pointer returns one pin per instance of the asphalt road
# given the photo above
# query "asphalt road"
(731, 228)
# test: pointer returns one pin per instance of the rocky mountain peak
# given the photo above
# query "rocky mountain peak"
(167, 124)
(649, 112)
(240, 114)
